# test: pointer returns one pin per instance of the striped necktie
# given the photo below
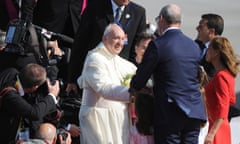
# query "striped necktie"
(118, 14)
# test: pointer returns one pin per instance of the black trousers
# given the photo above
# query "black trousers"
(176, 127)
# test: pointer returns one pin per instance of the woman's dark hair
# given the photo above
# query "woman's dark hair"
(144, 106)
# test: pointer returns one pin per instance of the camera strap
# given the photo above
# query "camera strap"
(34, 42)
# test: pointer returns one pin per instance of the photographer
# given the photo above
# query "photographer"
(14, 107)
(50, 55)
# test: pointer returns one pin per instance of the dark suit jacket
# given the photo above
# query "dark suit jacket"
(207, 66)
(14, 107)
(97, 15)
(9, 60)
(173, 60)
(60, 16)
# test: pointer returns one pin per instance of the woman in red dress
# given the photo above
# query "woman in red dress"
(220, 92)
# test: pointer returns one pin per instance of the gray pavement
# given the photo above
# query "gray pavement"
(235, 127)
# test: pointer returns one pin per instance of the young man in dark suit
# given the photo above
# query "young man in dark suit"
(97, 15)
(173, 59)
(210, 26)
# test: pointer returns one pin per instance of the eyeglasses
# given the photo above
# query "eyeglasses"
(157, 19)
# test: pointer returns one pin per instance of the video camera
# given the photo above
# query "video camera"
(25, 38)
(16, 38)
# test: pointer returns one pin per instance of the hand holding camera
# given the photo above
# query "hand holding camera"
(53, 88)
(64, 137)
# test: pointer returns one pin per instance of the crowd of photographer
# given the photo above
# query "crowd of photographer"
(17, 113)
(41, 99)
(32, 90)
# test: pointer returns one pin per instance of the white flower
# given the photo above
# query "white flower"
(127, 16)
(127, 79)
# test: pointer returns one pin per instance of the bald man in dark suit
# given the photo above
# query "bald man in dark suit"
(172, 59)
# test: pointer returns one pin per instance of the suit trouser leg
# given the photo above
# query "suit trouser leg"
(177, 128)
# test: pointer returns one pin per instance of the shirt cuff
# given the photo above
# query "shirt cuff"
(68, 127)
(54, 98)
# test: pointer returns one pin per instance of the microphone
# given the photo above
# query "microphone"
(54, 36)
(62, 37)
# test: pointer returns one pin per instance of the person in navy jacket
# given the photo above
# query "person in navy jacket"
(173, 60)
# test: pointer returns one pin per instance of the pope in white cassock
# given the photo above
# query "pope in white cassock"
(103, 115)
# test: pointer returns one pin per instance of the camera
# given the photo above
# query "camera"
(62, 133)
(16, 31)
(43, 89)
(25, 38)
(16, 37)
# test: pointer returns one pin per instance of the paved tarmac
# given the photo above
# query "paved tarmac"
(192, 11)
(235, 127)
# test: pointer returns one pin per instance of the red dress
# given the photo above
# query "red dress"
(220, 94)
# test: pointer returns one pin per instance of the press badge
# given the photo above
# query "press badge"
(24, 134)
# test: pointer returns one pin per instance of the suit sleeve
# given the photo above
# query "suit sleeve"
(27, 9)
(97, 77)
(145, 69)
(17, 105)
(223, 94)
(79, 48)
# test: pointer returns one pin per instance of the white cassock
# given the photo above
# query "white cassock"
(103, 115)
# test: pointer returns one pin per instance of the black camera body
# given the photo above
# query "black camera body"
(16, 32)
(16, 37)
(63, 134)
(25, 38)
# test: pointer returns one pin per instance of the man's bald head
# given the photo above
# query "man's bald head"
(171, 13)
(47, 132)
